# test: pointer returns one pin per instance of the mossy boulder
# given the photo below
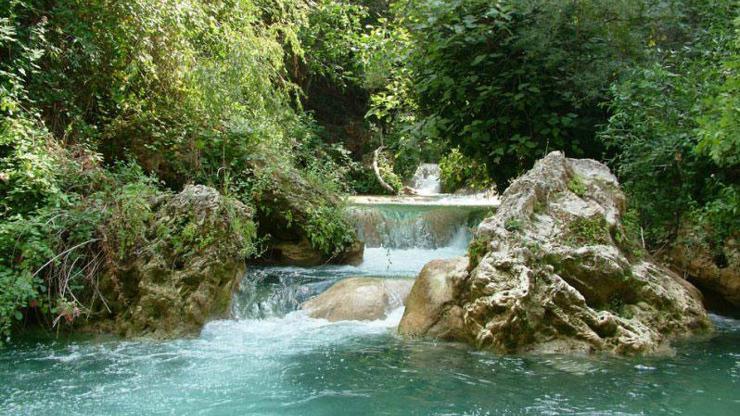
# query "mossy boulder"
(186, 272)
(553, 270)
(305, 222)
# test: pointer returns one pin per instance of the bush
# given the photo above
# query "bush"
(462, 172)
(51, 256)
(673, 146)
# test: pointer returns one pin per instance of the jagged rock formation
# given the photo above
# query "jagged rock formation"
(187, 271)
(554, 271)
(359, 299)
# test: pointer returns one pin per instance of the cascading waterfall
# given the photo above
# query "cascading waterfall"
(402, 227)
(400, 237)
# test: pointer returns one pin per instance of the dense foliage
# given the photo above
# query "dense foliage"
(108, 106)
(674, 128)
(182, 92)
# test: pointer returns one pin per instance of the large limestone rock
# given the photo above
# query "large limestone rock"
(359, 299)
(186, 272)
(553, 271)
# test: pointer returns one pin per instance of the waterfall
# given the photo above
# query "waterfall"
(401, 234)
(413, 226)
(274, 292)
(426, 180)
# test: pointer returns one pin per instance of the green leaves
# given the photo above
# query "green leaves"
(513, 75)
(461, 172)
(674, 131)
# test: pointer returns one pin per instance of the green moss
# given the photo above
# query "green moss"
(539, 207)
(587, 231)
(476, 251)
(627, 236)
(577, 186)
(513, 224)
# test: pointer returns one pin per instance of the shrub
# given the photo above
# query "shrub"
(670, 130)
(459, 171)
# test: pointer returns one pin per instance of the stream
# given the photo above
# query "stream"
(270, 358)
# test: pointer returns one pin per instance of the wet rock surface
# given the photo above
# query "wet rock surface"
(553, 271)
(359, 299)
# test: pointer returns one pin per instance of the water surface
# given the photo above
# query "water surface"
(294, 365)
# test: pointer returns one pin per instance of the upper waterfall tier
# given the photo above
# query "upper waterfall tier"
(417, 222)
(426, 180)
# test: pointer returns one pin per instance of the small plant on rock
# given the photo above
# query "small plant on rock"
(577, 186)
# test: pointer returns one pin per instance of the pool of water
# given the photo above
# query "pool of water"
(294, 365)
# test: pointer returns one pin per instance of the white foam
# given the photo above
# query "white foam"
(426, 180)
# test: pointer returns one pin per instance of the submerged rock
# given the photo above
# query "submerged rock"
(553, 271)
(359, 299)
(187, 272)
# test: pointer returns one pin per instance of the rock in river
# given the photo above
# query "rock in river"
(188, 271)
(553, 270)
(430, 307)
(359, 299)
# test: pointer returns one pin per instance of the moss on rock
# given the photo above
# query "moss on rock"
(186, 270)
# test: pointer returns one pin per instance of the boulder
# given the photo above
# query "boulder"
(359, 299)
(553, 270)
(715, 272)
(186, 272)
(291, 208)
(430, 307)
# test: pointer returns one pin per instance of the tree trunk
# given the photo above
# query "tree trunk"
(383, 183)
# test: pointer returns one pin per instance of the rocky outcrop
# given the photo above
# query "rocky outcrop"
(715, 272)
(359, 299)
(186, 272)
(554, 271)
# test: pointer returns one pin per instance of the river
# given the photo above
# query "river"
(269, 358)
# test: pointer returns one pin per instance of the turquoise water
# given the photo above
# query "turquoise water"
(298, 366)
(271, 359)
